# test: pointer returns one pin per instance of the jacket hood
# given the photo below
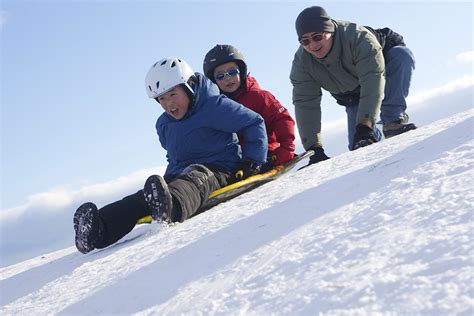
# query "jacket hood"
(252, 84)
(204, 89)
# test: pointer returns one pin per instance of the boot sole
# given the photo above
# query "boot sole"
(158, 198)
(83, 225)
(395, 132)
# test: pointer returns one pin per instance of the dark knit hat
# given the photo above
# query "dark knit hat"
(313, 19)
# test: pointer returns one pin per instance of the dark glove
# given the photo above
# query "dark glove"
(363, 136)
(318, 156)
(246, 169)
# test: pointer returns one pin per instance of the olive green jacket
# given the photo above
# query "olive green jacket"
(354, 60)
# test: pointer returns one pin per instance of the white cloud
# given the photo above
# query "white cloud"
(465, 57)
(451, 87)
(59, 199)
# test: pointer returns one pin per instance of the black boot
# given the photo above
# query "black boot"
(158, 197)
(88, 227)
(398, 127)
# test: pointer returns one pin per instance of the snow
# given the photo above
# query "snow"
(384, 229)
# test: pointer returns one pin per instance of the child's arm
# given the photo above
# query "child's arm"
(233, 117)
(278, 121)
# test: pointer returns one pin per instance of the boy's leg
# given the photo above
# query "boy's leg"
(101, 228)
(120, 217)
(192, 188)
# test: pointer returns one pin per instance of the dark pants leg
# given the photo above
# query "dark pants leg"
(120, 217)
(191, 189)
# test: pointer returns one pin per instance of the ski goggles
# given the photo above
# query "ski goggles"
(231, 73)
(315, 37)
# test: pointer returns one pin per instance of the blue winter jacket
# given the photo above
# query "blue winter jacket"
(207, 133)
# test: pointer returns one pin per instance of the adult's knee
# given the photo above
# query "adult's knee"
(401, 56)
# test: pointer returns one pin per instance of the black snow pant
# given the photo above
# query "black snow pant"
(189, 191)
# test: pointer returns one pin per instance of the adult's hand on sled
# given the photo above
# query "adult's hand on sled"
(319, 155)
(363, 136)
(246, 169)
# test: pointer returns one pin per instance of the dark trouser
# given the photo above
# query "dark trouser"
(189, 190)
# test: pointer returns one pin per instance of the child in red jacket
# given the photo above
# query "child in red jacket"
(225, 66)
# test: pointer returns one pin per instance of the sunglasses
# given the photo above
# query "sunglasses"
(231, 73)
(314, 37)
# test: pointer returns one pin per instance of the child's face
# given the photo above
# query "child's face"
(175, 102)
(229, 83)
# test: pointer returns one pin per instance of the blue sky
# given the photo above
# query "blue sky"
(74, 108)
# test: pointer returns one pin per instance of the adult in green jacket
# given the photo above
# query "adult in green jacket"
(368, 71)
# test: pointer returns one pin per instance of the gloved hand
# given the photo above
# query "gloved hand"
(318, 156)
(363, 136)
(282, 154)
(246, 169)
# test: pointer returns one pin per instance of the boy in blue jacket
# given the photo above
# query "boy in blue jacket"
(198, 131)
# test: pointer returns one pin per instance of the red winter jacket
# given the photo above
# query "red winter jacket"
(278, 122)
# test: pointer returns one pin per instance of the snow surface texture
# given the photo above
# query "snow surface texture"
(387, 228)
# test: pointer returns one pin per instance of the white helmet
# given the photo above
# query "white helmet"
(166, 74)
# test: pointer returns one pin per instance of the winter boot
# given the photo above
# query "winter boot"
(88, 227)
(398, 127)
(158, 197)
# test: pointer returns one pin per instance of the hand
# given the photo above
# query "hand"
(363, 136)
(282, 154)
(246, 169)
(318, 156)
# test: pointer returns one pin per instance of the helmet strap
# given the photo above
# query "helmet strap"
(191, 88)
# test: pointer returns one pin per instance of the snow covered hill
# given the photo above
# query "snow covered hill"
(387, 228)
